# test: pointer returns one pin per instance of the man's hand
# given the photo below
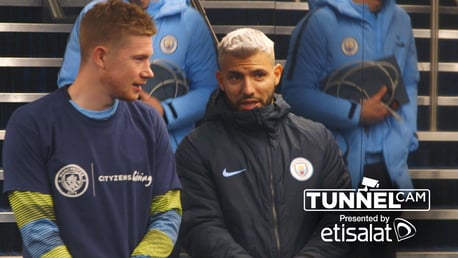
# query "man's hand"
(373, 109)
(152, 101)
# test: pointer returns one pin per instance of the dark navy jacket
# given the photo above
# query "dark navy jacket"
(243, 176)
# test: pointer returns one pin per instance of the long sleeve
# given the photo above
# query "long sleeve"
(307, 64)
(335, 177)
(36, 220)
(200, 67)
(411, 78)
(163, 229)
(204, 233)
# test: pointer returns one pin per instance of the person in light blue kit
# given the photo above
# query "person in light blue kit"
(184, 39)
(375, 139)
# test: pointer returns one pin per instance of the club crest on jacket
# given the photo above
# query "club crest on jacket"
(169, 44)
(301, 169)
(349, 46)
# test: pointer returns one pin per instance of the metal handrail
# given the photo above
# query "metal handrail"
(56, 12)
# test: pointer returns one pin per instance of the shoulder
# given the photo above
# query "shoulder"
(308, 128)
(205, 138)
(177, 7)
(141, 110)
(181, 12)
(49, 102)
(191, 14)
(40, 113)
(400, 13)
(323, 14)
(317, 20)
(208, 130)
(303, 122)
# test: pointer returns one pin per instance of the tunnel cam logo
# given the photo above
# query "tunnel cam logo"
(71, 181)
(367, 198)
(357, 227)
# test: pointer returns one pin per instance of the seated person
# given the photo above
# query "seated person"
(245, 168)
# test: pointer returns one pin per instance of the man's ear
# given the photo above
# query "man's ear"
(278, 69)
(220, 79)
(99, 55)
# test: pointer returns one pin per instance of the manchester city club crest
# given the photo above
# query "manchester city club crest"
(301, 169)
(349, 46)
(169, 44)
(71, 181)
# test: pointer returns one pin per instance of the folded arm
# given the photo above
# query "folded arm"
(37, 222)
(335, 176)
(163, 229)
(204, 233)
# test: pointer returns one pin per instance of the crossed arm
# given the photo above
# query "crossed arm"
(36, 220)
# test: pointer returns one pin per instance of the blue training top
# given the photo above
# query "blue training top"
(338, 33)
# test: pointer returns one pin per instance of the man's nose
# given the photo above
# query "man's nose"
(148, 73)
(248, 86)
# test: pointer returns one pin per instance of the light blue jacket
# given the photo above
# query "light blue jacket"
(194, 52)
(319, 50)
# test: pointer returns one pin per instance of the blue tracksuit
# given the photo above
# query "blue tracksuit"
(340, 32)
(183, 38)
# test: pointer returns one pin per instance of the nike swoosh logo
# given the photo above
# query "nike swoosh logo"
(232, 173)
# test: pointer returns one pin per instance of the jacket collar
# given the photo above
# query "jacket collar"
(266, 117)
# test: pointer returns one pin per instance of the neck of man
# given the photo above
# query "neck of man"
(373, 5)
(89, 92)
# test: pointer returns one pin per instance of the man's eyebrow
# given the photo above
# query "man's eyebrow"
(141, 56)
(232, 72)
(259, 70)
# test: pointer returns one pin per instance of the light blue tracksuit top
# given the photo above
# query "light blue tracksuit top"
(340, 32)
(183, 38)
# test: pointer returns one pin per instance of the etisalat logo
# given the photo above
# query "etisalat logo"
(353, 226)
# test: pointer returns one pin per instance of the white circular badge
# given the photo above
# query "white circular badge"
(71, 181)
(301, 169)
(169, 44)
(349, 46)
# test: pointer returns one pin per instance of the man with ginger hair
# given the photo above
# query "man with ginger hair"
(89, 171)
(183, 44)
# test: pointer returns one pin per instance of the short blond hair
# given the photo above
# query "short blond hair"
(245, 42)
(108, 22)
